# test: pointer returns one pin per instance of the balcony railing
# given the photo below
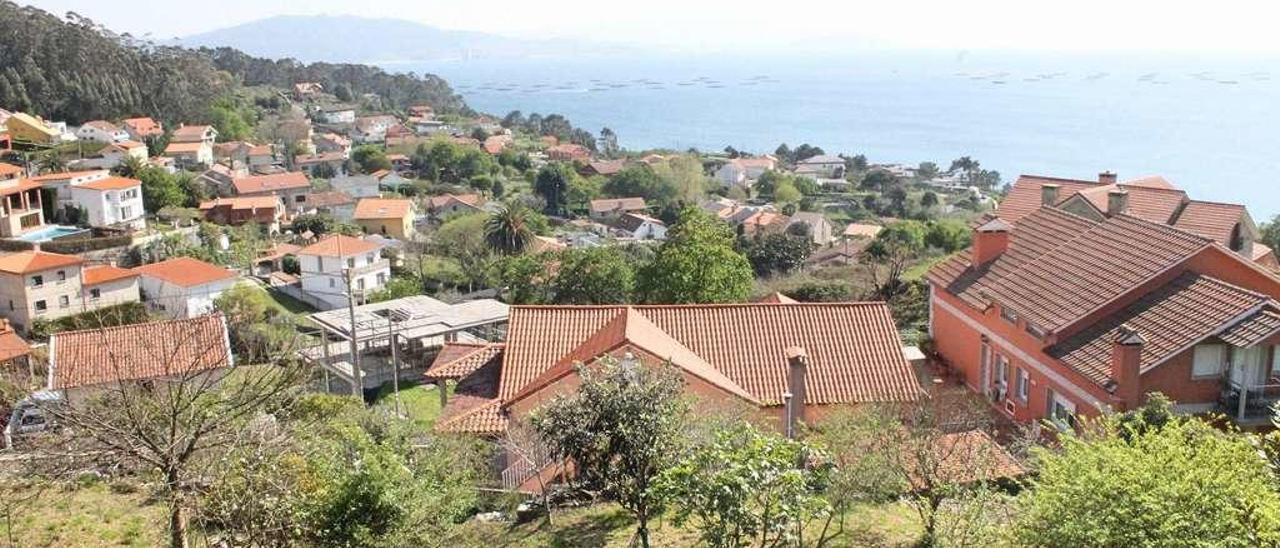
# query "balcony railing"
(1250, 402)
(371, 267)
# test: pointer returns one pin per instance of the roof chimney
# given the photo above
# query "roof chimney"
(797, 371)
(1107, 178)
(1126, 366)
(989, 241)
(1049, 194)
(1117, 202)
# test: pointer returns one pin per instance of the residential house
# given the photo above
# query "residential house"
(372, 129)
(613, 207)
(15, 355)
(816, 224)
(142, 128)
(336, 114)
(641, 227)
(861, 231)
(764, 222)
(306, 90)
(603, 168)
(190, 155)
(327, 264)
(21, 207)
(291, 186)
(568, 152)
(107, 285)
(742, 171)
(266, 211)
(386, 216)
(359, 186)
(194, 134)
(447, 205)
(421, 111)
(219, 178)
(101, 131)
(1058, 315)
(10, 172)
(113, 155)
(111, 202)
(391, 181)
(338, 204)
(495, 144)
(806, 367)
(179, 349)
(59, 184)
(261, 156)
(233, 153)
(332, 142)
(26, 129)
(37, 285)
(399, 162)
(1153, 199)
(334, 163)
(296, 131)
(183, 287)
(824, 166)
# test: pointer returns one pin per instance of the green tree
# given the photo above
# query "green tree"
(508, 230)
(370, 158)
(786, 193)
(1183, 484)
(523, 278)
(778, 253)
(160, 189)
(877, 180)
(463, 239)
(642, 181)
(320, 224)
(948, 235)
(929, 199)
(747, 488)
(233, 120)
(1270, 236)
(552, 184)
(891, 251)
(620, 429)
(696, 264)
(598, 275)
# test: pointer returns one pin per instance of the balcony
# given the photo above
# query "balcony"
(371, 267)
(1250, 403)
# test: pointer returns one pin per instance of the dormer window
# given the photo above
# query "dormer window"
(1237, 238)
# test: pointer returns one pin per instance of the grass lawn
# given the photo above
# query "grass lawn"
(93, 515)
(290, 304)
(918, 270)
(891, 524)
(421, 402)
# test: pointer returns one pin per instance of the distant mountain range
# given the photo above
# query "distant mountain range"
(351, 39)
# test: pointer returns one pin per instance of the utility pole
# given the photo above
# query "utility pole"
(357, 376)
(395, 362)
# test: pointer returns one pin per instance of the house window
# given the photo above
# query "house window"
(64, 301)
(1002, 378)
(62, 275)
(1061, 411)
(95, 293)
(382, 278)
(1009, 315)
(1022, 384)
(1209, 360)
(360, 283)
(369, 258)
(351, 263)
(300, 198)
(332, 283)
(41, 306)
(37, 281)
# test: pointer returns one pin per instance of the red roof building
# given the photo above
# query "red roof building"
(175, 349)
(851, 351)
(568, 152)
(1059, 314)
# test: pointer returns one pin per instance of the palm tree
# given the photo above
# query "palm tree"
(130, 167)
(507, 230)
(51, 162)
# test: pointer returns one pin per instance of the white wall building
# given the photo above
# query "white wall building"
(183, 287)
(325, 265)
(101, 131)
(112, 201)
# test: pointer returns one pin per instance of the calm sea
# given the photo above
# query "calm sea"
(1211, 125)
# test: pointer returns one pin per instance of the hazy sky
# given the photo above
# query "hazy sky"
(1077, 25)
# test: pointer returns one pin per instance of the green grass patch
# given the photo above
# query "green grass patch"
(419, 402)
(92, 515)
(918, 270)
(290, 304)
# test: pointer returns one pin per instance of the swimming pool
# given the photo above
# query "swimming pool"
(51, 232)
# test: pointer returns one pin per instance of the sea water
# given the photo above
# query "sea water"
(1209, 124)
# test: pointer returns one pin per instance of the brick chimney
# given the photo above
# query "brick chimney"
(1117, 202)
(1049, 194)
(797, 389)
(1107, 178)
(989, 241)
(1126, 366)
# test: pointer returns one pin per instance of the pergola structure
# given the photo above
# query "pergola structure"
(356, 346)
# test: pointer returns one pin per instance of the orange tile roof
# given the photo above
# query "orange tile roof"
(172, 348)
(8, 170)
(329, 199)
(188, 133)
(185, 272)
(854, 350)
(459, 359)
(339, 245)
(100, 274)
(473, 200)
(857, 230)
(26, 262)
(472, 415)
(1153, 204)
(1170, 318)
(111, 183)
(15, 186)
(1212, 220)
(383, 208)
(242, 202)
(1150, 181)
(269, 183)
(143, 126)
(617, 204)
(965, 457)
(1024, 196)
(183, 148)
(776, 298)
(66, 175)
(129, 145)
(12, 346)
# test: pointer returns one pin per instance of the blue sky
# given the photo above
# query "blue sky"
(1078, 25)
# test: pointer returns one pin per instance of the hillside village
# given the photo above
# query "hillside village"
(325, 318)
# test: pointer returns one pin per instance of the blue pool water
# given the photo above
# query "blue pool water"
(50, 232)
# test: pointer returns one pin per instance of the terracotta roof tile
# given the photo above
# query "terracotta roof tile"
(100, 274)
(12, 346)
(242, 202)
(967, 457)
(111, 183)
(1252, 330)
(459, 359)
(472, 415)
(777, 298)
(854, 350)
(65, 175)
(185, 272)
(618, 205)
(270, 183)
(1170, 318)
(329, 199)
(26, 262)
(339, 245)
(1024, 196)
(383, 208)
(473, 200)
(9, 170)
(182, 148)
(1212, 220)
(189, 133)
(138, 351)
